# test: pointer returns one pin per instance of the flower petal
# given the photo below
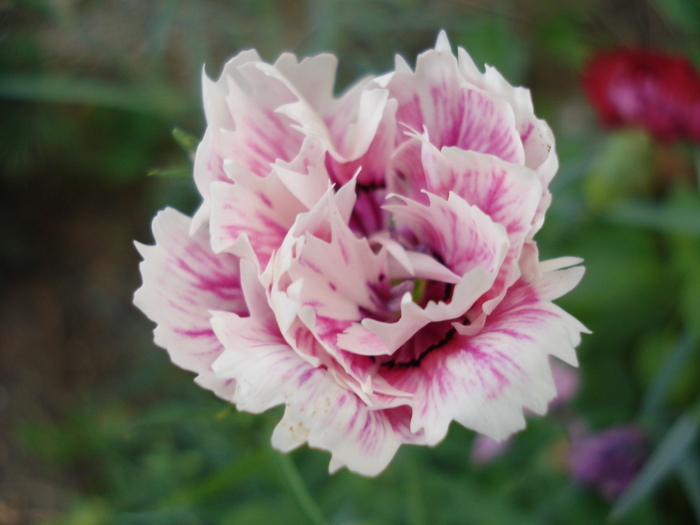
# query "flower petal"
(319, 411)
(484, 381)
(335, 265)
(506, 192)
(364, 440)
(509, 194)
(208, 167)
(349, 127)
(306, 176)
(469, 243)
(409, 264)
(262, 135)
(261, 208)
(536, 136)
(242, 125)
(182, 281)
(313, 77)
(214, 93)
(461, 235)
(371, 163)
(438, 98)
(369, 259)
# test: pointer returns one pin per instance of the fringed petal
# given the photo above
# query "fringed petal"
(182, 281)
(484, 381)
(268, 372)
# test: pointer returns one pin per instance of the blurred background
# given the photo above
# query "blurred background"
(96, 426)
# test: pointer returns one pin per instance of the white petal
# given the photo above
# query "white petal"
(319, 411)
(369, 152)
(461, 234)
(335, 420)
(443, 43)
(485, 381)
(359, 131)
(314, 77)
(453, 112)
(214, 93)
(306, 176)
(262, 208)
(208, 167)
(262, 135)
(472, 285)
(535, 134)
(182, 281)
(242, 125)
(410, 264)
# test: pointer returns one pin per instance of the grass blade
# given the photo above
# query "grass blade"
(159, 100)
(663, 380)
(666, 457)
(683, 220)
(689, 471)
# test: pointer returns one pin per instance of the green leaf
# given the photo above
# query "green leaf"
(684, 13)
(562, 37)
(667, 456)
(222, 481)
(690, 300)
(153, 99)
(186, 141)
(689, 471)
(259, 510)
(669, 218)
(173, 173)
(665, 378)
(622, 168)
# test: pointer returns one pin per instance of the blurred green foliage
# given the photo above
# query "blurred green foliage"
(90, 92)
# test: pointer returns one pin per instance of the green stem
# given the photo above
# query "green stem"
(415, 504)
(298, 489)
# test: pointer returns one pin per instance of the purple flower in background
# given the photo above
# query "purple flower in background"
(609, 460)
(484, 449)
(567, 381)
(367, 261)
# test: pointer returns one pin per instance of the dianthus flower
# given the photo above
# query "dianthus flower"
(366, 261)
(648, 89)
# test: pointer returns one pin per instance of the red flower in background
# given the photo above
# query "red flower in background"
(644, 88)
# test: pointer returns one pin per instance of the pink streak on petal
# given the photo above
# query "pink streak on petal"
(260, 207)
(499, 371)
(460, 234)
(182, 281)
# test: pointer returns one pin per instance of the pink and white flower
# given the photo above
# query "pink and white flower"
(367, 261)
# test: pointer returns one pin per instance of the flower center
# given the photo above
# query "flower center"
(427, 340)
(368, 217)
